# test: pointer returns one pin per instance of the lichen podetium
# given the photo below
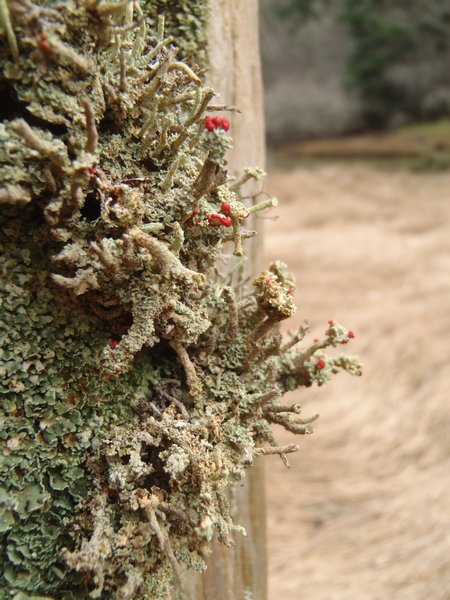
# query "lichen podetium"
(138, 381)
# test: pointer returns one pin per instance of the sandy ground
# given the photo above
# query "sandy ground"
(364, 511)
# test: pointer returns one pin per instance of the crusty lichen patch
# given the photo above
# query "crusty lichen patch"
(139, 383)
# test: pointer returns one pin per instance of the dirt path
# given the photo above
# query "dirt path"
(364, 512)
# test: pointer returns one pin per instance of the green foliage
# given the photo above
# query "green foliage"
(385, 34)
(381, 38)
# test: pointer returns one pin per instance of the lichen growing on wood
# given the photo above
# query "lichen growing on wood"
(138, 382)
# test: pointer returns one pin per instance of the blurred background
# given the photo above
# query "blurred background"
(357, 99)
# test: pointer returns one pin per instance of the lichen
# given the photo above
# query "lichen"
(139, 382)
(186, 21)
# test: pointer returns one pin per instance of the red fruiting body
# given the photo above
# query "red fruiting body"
(225, 208)
(209, 123)
(351, 334)
(331, 322)
(215, 219)
(43, 36)
(91, 170)
(290, 292)
(114, 344)
(360, 373)
(44, 46)
(344, 342)
(321, 363)
(316, 340)
(195, 212)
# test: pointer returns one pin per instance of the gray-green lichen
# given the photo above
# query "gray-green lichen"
(186, 21)
(138, 383)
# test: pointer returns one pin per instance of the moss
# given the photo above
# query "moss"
(138, 385)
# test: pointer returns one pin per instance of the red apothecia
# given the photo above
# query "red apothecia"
(212, 123)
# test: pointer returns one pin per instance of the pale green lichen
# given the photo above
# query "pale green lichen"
(138, 383)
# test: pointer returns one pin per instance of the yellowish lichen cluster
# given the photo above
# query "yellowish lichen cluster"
(138, 383)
